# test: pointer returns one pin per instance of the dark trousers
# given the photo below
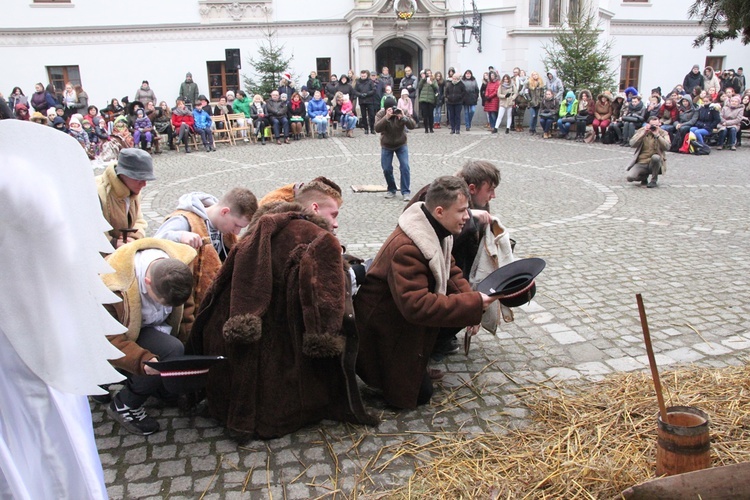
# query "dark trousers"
(280, 125)
(368, 116)
(454, 114)
(425, 388)
(138, 388)
(427, 112)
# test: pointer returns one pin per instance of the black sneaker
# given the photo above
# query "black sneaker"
(134, 420)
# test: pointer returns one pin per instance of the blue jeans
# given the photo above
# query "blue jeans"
(438, 113)
(732, 136)
(386, 161)
(469, 114)
(321, 122)
(700, 133)
(283, 123)
(492, 118)
(563, 127)
(546, 123)
(348, 122)
(534, 113)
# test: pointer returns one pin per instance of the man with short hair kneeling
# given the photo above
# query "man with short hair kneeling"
(412, 289)
(651, 143)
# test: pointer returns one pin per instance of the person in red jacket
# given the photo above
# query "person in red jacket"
(183, 123)
(491, 101)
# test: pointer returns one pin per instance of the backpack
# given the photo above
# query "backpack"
(699, 149)
(610, 136)
(685, 148)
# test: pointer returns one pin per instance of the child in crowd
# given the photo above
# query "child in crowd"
(404, 104)
(203, 123)
(348, 120)
(388, 93)
(142, 129)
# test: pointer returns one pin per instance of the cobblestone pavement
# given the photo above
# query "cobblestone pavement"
(683, 245)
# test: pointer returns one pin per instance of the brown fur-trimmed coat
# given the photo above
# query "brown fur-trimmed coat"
(280, 310)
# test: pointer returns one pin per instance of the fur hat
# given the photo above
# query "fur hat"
(39, 118)
(136, 164)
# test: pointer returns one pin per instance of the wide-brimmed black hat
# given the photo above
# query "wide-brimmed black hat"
(513, 282)
(185, 374)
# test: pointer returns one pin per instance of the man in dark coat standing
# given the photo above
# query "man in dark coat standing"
(413, 288)
(365, 90)
(692, 79)
(189, 91)
(281, 311)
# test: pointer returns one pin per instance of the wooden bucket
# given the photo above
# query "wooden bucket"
(684, 444)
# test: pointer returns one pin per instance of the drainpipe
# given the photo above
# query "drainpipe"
(350, 50)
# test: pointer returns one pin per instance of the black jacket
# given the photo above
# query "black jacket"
(365, 90)
(409, 83)
(454, 94)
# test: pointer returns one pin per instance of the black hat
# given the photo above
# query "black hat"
(203, 98)
(389, 102)
(513, 282)
(185, 373)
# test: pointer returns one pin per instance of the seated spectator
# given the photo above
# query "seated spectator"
(160, 117)
(259, 117)
(142, 130)
(230, 98)
(39, 118)
(668, 114)
(221, 109)
(51, 114)
(297, 115)
(111, 112)
(201, 219)
(348, 119)
(203, 124)
(686, 118)
(278, 112)
(602, 115)
(21, 111)
(731, 117)
(119, 189)
(280, 310)
(567, 113)
(59, 123)
(746, 116)
(584, 114)
(548, 112)
(317, 110)
(414, 288)
(709, 116)
(121, 132)
(183, 124)
(241, 104)
(631, 119)
(153, 279)
(75, 130)
(100, 130)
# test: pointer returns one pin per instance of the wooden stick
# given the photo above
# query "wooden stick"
(652, 359)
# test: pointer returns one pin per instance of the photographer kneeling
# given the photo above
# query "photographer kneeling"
(650, 158)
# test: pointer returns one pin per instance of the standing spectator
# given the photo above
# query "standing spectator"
(318, 113)
(535, 86)
(297, 115)
(379, 89)
(145, 94)
(438, 114)
(82, 102)
(650, 157)
(69, 102)
(203, 123)
(313, 82)
(710, 80)
(491, 99)
(57, 95)
(602, 115)
(731, 117)
(17, 97)
(454, 99)
(451, 72)
(483, 97)
(386, 79)
(42, 100)
(428, 91)
(693, 79)
(331, 89)
(183, 123)
(241, 104)
(409, 83)
(277, 113)
(391, 125)
(741, 78)
(285, 85)
(506, 98)
(387, 93)
(471, 96)
(548, 112)
(345, 86)
(188, 93)
(555, 84)
(365, 90)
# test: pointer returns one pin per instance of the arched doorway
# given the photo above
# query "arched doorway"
(398, 53)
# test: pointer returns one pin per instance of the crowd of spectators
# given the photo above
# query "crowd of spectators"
(709, 106)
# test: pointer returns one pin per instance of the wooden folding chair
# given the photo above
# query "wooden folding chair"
(235, 127)
(223, 133)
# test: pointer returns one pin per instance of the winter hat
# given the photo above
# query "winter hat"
(58, 122)
(188, 75)
(288, 76)
(230, 93)
(74, 123)
(695, 66)
(304, 87)
(39, 118)
(404, 92)
(203, 98)
(389, 102)
(139, 112)
(136, 164)
(51, 113)
(144, 81)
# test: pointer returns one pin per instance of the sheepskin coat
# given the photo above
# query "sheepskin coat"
(124, 283)
(280, 309)
(412, 289)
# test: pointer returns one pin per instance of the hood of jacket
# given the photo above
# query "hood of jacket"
(196, 202)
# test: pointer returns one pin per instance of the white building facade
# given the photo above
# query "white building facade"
(109, 46)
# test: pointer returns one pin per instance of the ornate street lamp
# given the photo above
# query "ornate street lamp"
(465, 29)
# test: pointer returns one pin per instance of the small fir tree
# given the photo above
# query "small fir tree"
(269, 66)
(581, 59)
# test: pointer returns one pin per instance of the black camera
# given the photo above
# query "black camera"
(652, 128)
(396, 110)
